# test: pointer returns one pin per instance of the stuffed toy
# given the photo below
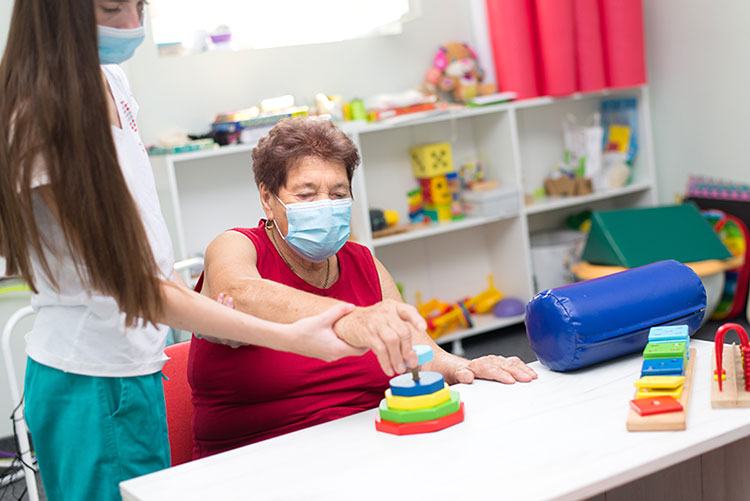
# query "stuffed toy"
(456, 73)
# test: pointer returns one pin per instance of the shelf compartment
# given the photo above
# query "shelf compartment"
(561, 203)
(482, 323)
(437, 229)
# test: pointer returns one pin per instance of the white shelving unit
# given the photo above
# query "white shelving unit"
(204, 193)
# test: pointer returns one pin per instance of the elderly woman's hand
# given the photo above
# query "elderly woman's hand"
(387, 329)
(495, 368)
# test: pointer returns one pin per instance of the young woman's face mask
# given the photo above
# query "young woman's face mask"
(117, 45)
(119, 29)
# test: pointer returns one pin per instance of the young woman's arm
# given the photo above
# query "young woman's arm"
(312, 336)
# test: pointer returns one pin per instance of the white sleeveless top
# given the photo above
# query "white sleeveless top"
(79, 330)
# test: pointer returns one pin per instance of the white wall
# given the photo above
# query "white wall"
(699, 76)
(185, 93)
(6, 7)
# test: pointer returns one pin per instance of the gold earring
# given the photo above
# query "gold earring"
(269, 224)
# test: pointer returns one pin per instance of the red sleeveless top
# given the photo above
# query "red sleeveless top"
(248, 394)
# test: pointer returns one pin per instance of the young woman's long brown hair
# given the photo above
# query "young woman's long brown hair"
(53, 108)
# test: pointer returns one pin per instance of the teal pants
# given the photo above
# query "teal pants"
(91, 433)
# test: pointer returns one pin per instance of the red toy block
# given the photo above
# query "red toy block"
(655, 405)
(421, 426)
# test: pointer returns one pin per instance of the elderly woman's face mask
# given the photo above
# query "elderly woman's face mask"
(317, 230)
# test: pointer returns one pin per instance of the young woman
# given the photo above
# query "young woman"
(81, 222)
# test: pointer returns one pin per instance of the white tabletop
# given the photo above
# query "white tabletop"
(561, 437)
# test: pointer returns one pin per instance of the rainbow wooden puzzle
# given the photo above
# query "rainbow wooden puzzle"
(419, 402)
(663, 391)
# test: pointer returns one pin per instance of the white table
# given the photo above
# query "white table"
(560, 437)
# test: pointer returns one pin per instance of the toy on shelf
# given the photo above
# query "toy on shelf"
(663, 391)
(471, 174)
(419, 402)
(416, 206)
(385, 223)
(732, 389)
(380, 219)
(734, 235)
(443, 317)
(432, 165)
(508, 307)
(484, 301)
(563, 182)
(456, 74)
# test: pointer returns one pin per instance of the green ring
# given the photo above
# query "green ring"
(416, 415)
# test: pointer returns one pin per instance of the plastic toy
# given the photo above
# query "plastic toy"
(442, 317)
(431, 160)
(483, 302)
(380, 219)
(419, 402)
(732, 389)
(456, 73)
(734, 235)
(406, 386)
(508, 307)
(416, 206)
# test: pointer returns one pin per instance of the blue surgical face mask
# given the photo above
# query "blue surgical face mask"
(116, 45)
(318, 230)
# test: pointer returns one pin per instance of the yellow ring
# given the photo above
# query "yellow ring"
(417, 402)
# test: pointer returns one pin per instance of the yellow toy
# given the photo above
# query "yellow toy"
(419, 401)
(431, 160)
(443, 317)
(483, 302)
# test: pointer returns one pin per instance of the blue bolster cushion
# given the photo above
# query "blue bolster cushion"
(588, 322)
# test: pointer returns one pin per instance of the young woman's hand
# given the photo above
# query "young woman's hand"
(314, 336)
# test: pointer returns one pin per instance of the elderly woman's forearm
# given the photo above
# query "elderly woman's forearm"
(273, 301)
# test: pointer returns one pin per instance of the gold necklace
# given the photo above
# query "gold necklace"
(269, 225)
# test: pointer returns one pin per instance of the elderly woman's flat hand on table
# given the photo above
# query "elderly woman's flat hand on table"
(495, 368)
(387, 328)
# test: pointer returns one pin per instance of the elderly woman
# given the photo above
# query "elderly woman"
(295, 263)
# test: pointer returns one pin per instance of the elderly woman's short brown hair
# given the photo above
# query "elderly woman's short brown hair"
(293, 139)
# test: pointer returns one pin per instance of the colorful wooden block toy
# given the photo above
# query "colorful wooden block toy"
(405, 386)
(426, 414)
(663, 392)
(730, 384)
(420, 426)
(665, 350)
(655, 405)
(670, 334)
(665, 333)
(663, 367)
(419, 402)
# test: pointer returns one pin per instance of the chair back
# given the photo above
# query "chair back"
(178, 398)
(18, 419)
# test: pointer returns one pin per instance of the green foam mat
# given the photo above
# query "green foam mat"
(636, 237)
